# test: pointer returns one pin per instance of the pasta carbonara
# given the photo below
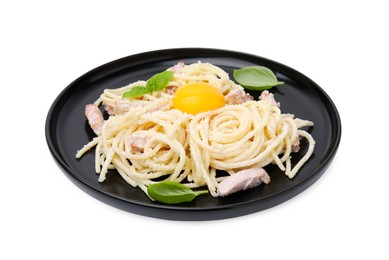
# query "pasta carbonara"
(149, 138)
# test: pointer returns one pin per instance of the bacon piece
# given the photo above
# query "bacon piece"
(237, 96)
(95, 117)
(136, 142)
(266, 95)
(178, 67)
(171, 90)
(123, 106)
(242, 180)
(296, 145)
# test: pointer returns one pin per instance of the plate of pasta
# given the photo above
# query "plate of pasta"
(193, 133)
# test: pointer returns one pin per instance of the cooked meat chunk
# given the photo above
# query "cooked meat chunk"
(237, 96)
(171, 90)
(179, 66)
(242, 180)
(136, 142)
(95, 117)
(266, 95)
(123, 106)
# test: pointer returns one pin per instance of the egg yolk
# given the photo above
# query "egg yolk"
(197, 97)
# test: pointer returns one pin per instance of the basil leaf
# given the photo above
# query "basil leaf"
(136, 92)
(256, 78)
(157, 82)
(171, 192)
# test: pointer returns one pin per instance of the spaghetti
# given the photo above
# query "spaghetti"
(147, 140)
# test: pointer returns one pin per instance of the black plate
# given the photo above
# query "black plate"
(67, 131)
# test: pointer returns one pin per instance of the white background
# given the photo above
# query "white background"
(341, 45)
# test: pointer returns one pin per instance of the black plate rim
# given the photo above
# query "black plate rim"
(141, 57)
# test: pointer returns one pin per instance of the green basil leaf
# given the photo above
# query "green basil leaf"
(136, 92)
(157, 82)
(256, 78)
(170, 192)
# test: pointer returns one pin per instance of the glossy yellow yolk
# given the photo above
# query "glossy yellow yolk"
(197, 97)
